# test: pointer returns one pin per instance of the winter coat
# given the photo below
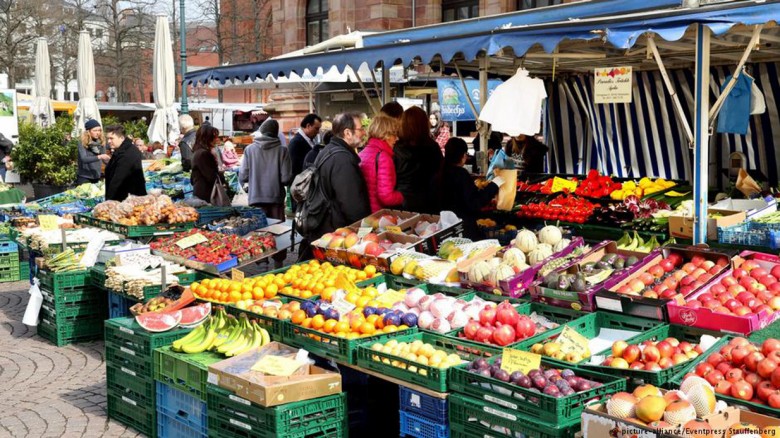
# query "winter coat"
(267, 169)
(204, 173)
(89, 164)
(298, 148)
(376, 163)
(229, 158)
(311, 157)
(416, 167)
(124, 173)
(460, 195)
(185, 149)
(343, 183)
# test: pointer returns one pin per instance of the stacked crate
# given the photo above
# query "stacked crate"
(421, 415)
(10, 270)
(72, 310)
(230, 416)
(131, 389)
(181, 392)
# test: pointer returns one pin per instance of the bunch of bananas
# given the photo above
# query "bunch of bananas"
(224, 334)
(636, 243)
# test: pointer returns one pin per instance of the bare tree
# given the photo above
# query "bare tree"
(17, 37)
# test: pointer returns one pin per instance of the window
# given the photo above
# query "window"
(531, 4)
(316, 22)
(453, 10)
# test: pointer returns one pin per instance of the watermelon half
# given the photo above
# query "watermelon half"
(194, 315)
(158, 321)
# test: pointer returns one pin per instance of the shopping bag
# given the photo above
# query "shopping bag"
(219, 196)
(241, 199)
(747, 185)
(30, 317)
(507, 190)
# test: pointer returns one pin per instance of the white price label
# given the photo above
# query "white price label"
(609, 304)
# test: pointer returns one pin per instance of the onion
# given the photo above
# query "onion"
(441, 308)
(458, 319)
(441, 325)
(401, 306)
(472, 311)
(413, 296)
(459, 305)
(425, 302)
(425, 319)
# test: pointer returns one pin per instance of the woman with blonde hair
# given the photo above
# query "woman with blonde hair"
(92, 153)
(377, 166)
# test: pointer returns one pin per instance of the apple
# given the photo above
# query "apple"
(732, 304)
(724, 367)
(738, 355)
(650, 294)
(715, 270)
(656, 271)
(742, 311)
(735, 289)
(665, 348)
(714, 377)
(651, 354)
(637, 366)
(774, 302)
(703, 368)
(676, 258)
(665, 363)
(715, 358)
(708, 296)
(636, 285)
(693, 304)
(751, 360)
(669, 293)
(679, 358)
(631, 353)
(729, 281)
(652, 366)
(679, 275)
(770, 345)
(689, 268)
(619, 362)
(766, 367)
(739, 273)
(667, 265)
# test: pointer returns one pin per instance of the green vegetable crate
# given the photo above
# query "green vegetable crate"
(233, 416)
(468, 416)
(70, 333)
(10, 268)
(496, 298)
(132, 413)
(273, 325)
(537, 406)
(755, 407)
(97, 276)
(185, 372)
(63, 281)
(328, 345)
(71, 316)
(395, 282)
(664, 377)
(590, 326)
(131, 231)
(411, 371)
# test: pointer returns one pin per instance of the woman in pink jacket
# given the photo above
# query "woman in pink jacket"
(376, 163)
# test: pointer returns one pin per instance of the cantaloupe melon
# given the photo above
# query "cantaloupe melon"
(526, 241)
(679, 412)
(622, 405)
(703, 400)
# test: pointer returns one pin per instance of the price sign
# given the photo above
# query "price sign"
(236, 274)
(48, 222)
(364, 231)
(191, 241)
(573, 342)
(343, 306)
(516, 360)
(394, 229)
(561, 184)
(276, 365)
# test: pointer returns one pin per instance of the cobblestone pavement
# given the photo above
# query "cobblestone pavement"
(49, 391)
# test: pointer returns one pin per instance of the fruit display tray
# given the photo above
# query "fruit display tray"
(533, 405)
(131, 231)
(185, 372)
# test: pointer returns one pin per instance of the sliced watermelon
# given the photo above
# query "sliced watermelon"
(157, 321)
(195, 315)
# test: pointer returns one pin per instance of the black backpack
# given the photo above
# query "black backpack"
(313, 204)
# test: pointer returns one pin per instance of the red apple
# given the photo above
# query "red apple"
(675, 258)
(751, 360)
(766, 367)
(739, 273)
(736, 289)
(703, 368)
(665, 363)
(665, 349)
(651, 354)
(631, 353)
(749, 265)
(758, 272)
(742, 311)
(689, 268)
(679, 358)
(774, 302)
(656, 271)
(724, 367)
(652, 366)
(767, 280)
(638, 365)
(715, 270)
(667, 265)
(707, 264)
(714, 377)
(693, 304)
(729, 281)
(775, 271)
(732, 304)
(715, 358)
(770, 345)
(618, 348)
(738, 355)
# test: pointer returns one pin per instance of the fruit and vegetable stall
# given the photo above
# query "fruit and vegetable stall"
(539, 329)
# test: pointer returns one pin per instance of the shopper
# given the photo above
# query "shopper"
(303, 142)
(530, 151)
(392, 109)
(376, 163)
(417, 161)
(187, 128)
(92, 153)
(205, 169)
(158, 151)
(124, 172)
(458, 192)
(229, 155)
(141, 145)
(6, 146)
(439, 129)
(311, 157)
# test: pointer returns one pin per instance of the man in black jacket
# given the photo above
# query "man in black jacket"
(187, 142)
(124, 172)
(303, 142)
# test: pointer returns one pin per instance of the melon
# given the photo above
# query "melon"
(692, 382)
(673, 396)
(494, 262)
(194, 315)
(622, 405)
(651, 408)
(502, 272)
(697, 429)
(479, 271)
(561, 245)
(550, 235)
(514, 257)
(526, 241)
(679, 412)
(703, 400)
(646, 390)
(538, 255)
(158, 321)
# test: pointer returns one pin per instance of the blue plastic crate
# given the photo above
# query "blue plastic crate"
(417, 426)
(8, 246)
(188, 410)
(745, 234)
(169, 427)
(224, 266)
(414, 402)
(119, 306)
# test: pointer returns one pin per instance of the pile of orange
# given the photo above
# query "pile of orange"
(222, 290)
(352, 326)
(314, 278)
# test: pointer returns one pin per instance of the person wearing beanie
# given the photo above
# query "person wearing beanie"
(266, 168)
(92, 153)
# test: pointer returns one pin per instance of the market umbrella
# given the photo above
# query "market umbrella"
(165, 125)
(41, 108)
(87, 108)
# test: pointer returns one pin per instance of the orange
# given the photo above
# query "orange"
(353, 335)
(371, 319)
(317, 322)
(306, 294)
(341, 327)
(367, 328)
(234, 296)
(362, 301)
(327, 293)
(318, 288)
(224, 297)
(390, 329)
(298, 316)
(306, 323)
(246, 287)
(257, 293)
(355, 323)
(352, 297)
(370, 270)
(271, 290)
(329, 325)
(246, 296)
(361, 275)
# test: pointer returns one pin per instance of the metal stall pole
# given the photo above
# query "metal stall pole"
(701, 148)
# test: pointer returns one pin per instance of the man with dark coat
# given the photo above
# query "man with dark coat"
(124, 172)
(187, 142)
(303, 142)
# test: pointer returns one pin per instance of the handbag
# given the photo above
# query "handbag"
(219, 196)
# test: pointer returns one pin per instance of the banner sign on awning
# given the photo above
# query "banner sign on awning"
(613, 85)
(453, 101)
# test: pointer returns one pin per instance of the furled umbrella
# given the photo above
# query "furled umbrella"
(87, 108)
(165, 126)
(41, 109)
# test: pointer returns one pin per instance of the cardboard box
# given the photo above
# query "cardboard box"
(235, 375)
(682, 226)
(405, 216)
(754, 208)
(430, 243)
(597, 423)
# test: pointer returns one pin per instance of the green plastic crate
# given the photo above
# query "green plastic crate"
(125, 332)
(10, 274)
(74, 327)
(434, 378)
(130, 413)
(63, 281)
(61, 337)
(590, 326)
(129, 361)
(220, 426)
(131, 231)
(9, 259)
(328, 345)
(467, 414)
(272, 325)
(499, 298)
(663, 377)
(449, 290)
(546, 408)
(97, 276)
(122, 381)
(72, 297)
(394, 282)
(282, 420)
(93, 308)
(185, 372)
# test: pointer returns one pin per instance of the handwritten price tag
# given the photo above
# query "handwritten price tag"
(573, 342)
(343, 306)
(276, 366)
(191, 241)
(395, 229)
(516, 360)
(48, 222)
(560, 184)
(236, 274)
